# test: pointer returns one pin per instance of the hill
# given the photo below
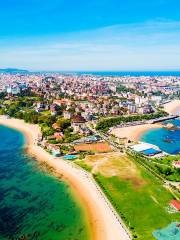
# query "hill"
(13, 70)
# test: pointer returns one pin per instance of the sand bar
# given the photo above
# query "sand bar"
(105, 223)
(134, 133)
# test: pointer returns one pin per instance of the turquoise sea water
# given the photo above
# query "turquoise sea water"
(157, 137)
(34, 203)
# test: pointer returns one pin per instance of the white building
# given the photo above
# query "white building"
(67, 115)
(139, 101)
(132, 108)
(13, 90)
(156, 99)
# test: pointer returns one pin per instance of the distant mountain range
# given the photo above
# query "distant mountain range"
(13, 70)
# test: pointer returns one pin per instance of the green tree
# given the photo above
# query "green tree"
(63, 123)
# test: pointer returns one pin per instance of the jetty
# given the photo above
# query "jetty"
(162, 119)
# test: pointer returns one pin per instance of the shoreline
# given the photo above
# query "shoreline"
(102, 219)
(134, 133)
(172, 107)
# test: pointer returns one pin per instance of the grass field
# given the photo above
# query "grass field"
(139, 197)
(94, 147)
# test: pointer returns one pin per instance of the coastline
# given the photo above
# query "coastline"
(104, 223)
(134, 133)
(172, 107)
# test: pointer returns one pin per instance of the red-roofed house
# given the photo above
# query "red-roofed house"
(176, 164)
(56, 127)
(63, 101)
(77, 122)
(175, 204)
(58, 135)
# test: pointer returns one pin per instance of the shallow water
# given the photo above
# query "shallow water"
(34, 203)
(157, 137)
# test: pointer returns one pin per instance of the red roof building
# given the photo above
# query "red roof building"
(58, 135)
(63, 101)
(176, 164)
(56, 127)
(175, 204)
(78, 119)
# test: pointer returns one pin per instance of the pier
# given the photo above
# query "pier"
(162, 119)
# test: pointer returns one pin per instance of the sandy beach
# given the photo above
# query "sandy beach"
(134, 133)
(172, 107)
(105, 224)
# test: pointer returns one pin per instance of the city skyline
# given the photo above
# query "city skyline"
(90, 36)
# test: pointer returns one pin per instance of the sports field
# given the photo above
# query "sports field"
(139, 197)
(94, 147)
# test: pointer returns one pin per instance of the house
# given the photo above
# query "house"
(77, 122)
(176, 164)
(85, 131)
(53, 109)
(58, 135)
(67, 114)
(78, 119)
(175, 204)
(61, 102)
(55, 150)
(39, 107)
(53, 112)
(56, 127)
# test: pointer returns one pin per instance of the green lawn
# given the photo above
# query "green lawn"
(46, 113)
(143, 207)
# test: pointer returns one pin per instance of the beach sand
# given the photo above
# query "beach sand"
(133, 133)
(172, 107)
(105, 224)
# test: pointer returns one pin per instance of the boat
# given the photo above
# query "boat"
(168, 140)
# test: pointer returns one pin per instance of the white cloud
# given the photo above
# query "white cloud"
(152, 45)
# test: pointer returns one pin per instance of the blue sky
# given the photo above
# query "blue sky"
(111, 35)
